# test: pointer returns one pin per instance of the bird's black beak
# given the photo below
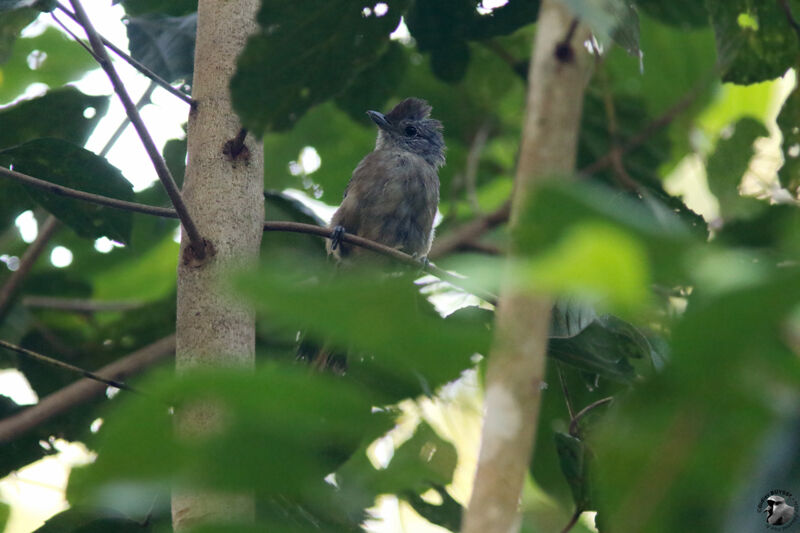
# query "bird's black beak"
(379, 119)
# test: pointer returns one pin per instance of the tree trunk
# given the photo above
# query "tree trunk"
(224, 195)
(557, 77)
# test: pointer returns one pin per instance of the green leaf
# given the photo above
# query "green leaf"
(398, 346)
(685, 14)
(297, 61)
(311, 424)
(610, 20)
(175, 8)
(755, 41)
(16, 15)
(604, 348)
(5, 511)
(65, 164)
(693, 430)
(78, 520)
(789, 123)
(50, 58)
(574, 457)
(569, 317)
(727, 166)
(164, 44)
(64, 113)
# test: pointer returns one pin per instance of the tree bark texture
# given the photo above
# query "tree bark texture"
(224, 195)
(516, 366)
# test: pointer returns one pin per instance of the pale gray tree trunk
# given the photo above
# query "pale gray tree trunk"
(224, 196)
(517, 361)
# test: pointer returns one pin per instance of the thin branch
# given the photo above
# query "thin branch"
(87, 196)
(198, 244)
(66, 366)
(572, 521)
(83, 390)
(74, 37)
(573, 424)
(565, 391)
(132, 62)
(790, 17)
(78, 305)
(648, 130)
(471, 167)
(294, 227)
(349, 238)
(30, 256)
(469, 232)
(143, 101)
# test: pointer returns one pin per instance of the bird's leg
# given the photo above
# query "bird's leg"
(336, 236)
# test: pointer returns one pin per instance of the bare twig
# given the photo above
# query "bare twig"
(573, 423)
(131, 61)
(66, 366)
(87, 196)
(382, 249)
(294, 227)
(469, 232)
(78, 305)
(565, 391)
(143, 101)
(790, 17)
(32, 253)
(471, 169)
(83, 390)
(572, 521)
(74, 37)
(198, 244)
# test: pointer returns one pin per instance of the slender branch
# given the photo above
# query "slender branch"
(87, 196)
(469, 232)
(565, 391)
(572, 521)
(143, 101)
(648, 130)
(78, 305)
(66, 366)
(198, 244)
(349, 238)
(294, 227)
(131, 61)
(471, 168)
(790, 17)
(83, 390)
(30, 256)
(74, 37)
(573, 424)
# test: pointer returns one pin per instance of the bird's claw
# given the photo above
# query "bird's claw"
(336, 237)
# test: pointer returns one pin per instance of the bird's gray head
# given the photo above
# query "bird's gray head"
(407, 127)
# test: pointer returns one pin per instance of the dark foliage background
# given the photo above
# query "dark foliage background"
(691, 325)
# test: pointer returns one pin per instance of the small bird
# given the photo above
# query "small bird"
(393, 194)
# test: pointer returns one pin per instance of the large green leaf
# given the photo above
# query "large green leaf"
(50, 58)
(310, 424)
(16, 15)
(164, 44)
(66, 164)
(726, 168)
(398, 346)
(691, 431)
(788, 121)
(755, 41)
(305, 54)
(64, 113)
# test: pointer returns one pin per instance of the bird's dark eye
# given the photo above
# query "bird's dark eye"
(411, 131)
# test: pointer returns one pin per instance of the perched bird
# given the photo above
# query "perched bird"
(391, 198)
(394, 191)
